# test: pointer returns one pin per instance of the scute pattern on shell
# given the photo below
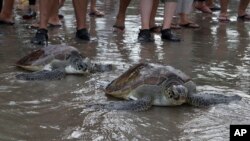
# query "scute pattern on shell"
(140, 74)
(45, 55)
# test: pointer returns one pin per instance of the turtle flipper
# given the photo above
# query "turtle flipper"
(42, 75)
(142, 104)
(202, 100)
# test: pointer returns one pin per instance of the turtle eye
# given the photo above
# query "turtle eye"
(82, 67)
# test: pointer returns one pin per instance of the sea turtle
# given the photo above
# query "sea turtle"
(55, 61)
(144, 85)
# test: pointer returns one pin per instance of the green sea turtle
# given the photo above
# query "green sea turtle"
(55, 61)
(144, 85)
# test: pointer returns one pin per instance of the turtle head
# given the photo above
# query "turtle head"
(177, 92)
(76, 63)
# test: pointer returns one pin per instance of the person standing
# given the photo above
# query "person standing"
(242, 15)
(47, 7)
(166, 32)
(121, 15)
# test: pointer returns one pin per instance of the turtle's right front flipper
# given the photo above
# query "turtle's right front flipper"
(142, 104)
(203, 99)
(42, 75)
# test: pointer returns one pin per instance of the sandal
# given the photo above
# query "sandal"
(118, 28)
(155, 29)
(2, 22)
(36, 26)
(245, 17)
(96, 14)
(190, 25)
(224, 19)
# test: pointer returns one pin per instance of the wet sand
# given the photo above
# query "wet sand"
(216, 56)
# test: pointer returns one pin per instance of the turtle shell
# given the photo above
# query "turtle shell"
(141, 74)
(36, 60)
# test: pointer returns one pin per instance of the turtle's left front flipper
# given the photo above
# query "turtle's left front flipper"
(133, 105)
(202, 100)
(42, 75)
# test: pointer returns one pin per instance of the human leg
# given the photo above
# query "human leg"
(45, 7)
(80, 7)
(223, 17)
(201, 5)
(120, 18)
(169, 10)
(54, 20)
(242, 15)
(152, 25)
(184, 8)
(94, 11)
(146, 9)
(6, 13)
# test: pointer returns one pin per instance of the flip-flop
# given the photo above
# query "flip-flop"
(190, 25)
(223, 19)
(96, 14)
(245, 17)
(120, 28)
(155, 29)
(36, 26)
(6, 22)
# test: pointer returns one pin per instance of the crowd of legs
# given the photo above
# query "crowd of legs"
(49, 16)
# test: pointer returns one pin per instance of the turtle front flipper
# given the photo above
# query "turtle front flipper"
(42, 75)
(202, 100)
(142, 104)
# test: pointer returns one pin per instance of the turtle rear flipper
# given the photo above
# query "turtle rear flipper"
(42, 75)
(202, 100)
(142, 104)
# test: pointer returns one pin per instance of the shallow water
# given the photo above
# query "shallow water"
(216, 56)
